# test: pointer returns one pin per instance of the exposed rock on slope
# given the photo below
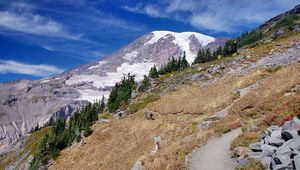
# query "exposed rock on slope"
(26, 104)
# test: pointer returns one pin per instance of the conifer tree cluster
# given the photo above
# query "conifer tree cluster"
(153, 73)
(121, 93)
(205, 55)
(145, 84)
(63, 134)
(247, 38)
(174, 65)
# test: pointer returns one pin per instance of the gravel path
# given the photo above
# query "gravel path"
(215, 155)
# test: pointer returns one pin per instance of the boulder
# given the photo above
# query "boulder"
(255, 147)
(294, 143)
(241, 151)
(267, 150)
(274, 141)
(138, 165)
(274, 162)
(284, 159)
(283, 167)
(262, 135)
(297, 162)
(266, 161)
(289, 134)
(254, 155)
(273, 128)
(243, 161)
(287, 125)
(284, 150)
(276, 134)
(296, 120)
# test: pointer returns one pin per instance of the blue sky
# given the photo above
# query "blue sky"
(40, 38)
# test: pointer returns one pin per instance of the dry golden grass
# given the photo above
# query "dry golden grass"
(131, 138)
(118, 144)
(207, 100)
(269, 94)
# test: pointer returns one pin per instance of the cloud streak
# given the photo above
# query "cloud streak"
(33, 24)
(215, 15)
(40, 70)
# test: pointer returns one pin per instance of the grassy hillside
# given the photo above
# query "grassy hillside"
(181, 101)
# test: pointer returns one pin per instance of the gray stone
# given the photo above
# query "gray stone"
(243, 161)
(267, 150)
(274, 162)
(283, 167)
(284, 150)
(241, 151)
(287, 125)
(294, 143)
(285, 159)
(255, 147)
(297, 162)
(273, 128)
(265, 161)
(276, 134)
(289, 134)
(138, 165)
(296, 120)
(274, 141)
(262, 135)
(254, 155)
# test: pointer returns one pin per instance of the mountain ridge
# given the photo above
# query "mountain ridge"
(59, 96)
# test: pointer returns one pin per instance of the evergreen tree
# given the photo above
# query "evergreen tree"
(184, 62)
(121, 93)
(219, 51)
(153, 73)
(145, 84)
(102, 104)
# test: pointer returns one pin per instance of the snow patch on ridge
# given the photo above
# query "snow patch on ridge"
(92, 95)
(182, 40)
(100, 64)
(45, 81)
(138, 69)
(130, 56)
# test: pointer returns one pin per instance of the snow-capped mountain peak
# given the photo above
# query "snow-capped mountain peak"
(39, 101)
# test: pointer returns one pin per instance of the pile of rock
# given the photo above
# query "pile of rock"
(278, 147)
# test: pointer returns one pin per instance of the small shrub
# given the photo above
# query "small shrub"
(141, 104)
(273, 69)
(244, 139)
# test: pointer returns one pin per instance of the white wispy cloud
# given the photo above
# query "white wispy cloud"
(215, 15)
(33, 24)
(40, 70)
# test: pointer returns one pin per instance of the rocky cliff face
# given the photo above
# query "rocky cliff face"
(26, 104)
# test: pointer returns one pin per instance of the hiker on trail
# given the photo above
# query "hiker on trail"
(148, 115)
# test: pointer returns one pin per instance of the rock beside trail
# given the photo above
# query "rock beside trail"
(278, 147)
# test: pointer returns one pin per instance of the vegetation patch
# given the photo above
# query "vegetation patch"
(244, 139)
(273, 69)
(141, 104)
(62, 136)
(121, 93)
(2, 114)
(252, 165)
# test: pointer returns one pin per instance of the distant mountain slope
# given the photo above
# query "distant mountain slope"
(27, 104)
(283, 25)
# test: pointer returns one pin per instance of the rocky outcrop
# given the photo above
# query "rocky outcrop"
(278, 147)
